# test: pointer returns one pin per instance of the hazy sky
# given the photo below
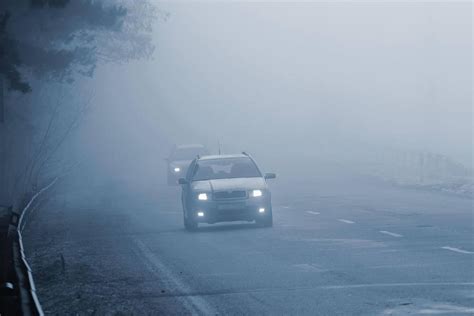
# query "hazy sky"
(289, 76)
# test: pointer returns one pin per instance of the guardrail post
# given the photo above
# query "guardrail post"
(9, 301)
(5, 219)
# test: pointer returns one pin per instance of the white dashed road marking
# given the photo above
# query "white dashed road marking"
(314, 213)
(308, 267)
(391, 234)
(457, 250)
(346, 221)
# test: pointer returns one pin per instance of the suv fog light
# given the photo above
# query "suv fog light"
(200, 214)
(261, 210)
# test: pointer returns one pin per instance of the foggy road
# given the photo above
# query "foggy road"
(336, 248)
(359, 114)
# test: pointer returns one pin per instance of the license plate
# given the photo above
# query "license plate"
(226, 207)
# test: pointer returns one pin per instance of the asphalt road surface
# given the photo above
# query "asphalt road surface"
(338, 247)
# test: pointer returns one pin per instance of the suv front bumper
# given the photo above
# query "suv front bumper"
(248, 209)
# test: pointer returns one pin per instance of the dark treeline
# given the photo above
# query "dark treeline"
(45, 47)
(57, 38)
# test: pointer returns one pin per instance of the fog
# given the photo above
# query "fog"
(358, 115)
(291, 83)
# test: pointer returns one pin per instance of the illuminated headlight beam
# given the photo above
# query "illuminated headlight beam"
(257, 193)
(177, 169)
(202, 197)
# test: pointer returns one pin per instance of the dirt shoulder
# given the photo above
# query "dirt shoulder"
(77, 245)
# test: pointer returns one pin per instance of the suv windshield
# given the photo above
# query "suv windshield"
(225, 169)
(188, 153)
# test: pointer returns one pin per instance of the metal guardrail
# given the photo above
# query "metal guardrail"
(25, 286)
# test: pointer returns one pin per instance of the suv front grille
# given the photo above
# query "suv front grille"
(222, 195)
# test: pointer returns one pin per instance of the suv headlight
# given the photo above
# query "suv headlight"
(202, 196)
(256, 193)
(176, 169)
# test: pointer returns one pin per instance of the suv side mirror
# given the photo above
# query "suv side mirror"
(270, 176)
(183, 181)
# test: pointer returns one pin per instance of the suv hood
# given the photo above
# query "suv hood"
(229, 184)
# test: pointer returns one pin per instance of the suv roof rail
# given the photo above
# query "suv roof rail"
(245, 153)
